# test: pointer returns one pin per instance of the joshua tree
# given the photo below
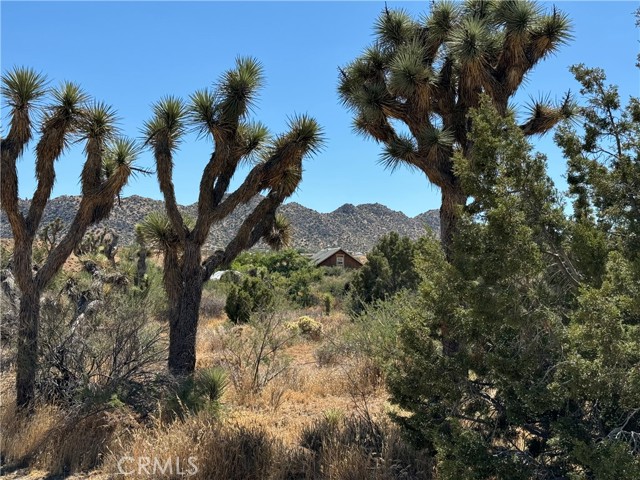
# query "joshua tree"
(426, 75)
(49, 235)
(108, 166)
(99, 240)
(220, 113)
(141, 254)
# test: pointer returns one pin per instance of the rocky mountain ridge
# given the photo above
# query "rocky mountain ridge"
(355, 228)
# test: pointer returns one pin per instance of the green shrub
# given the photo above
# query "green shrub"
(310, 327)
(390, 268)
(285, 262)
(199, 391)
(251, 296)
(327, 303)
(300, 287)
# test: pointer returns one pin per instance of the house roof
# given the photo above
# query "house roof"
(322, 255)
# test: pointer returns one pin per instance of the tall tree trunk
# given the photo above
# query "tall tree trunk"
(183, 317)
(27, 361)
(452, 200)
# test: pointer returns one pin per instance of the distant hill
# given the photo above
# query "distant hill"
(353, 227)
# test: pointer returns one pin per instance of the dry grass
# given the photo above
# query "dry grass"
(56, 441)
(352, 449)
(265, 435)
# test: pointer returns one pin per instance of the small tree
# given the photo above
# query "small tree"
(391, 267)
(109, 164)
(222, 115)
(425, 76)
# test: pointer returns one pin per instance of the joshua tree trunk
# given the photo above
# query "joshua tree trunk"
(183, 319)
(27, 361)
(453, 200)
(183, 329)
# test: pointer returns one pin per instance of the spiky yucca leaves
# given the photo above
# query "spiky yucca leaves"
(22, 86)
(21, 89)
(167, 125)
(97, 127)
(252, 140)
(62, 119)
(279, 235)
(203, 111)
(156, 231)
(305, 136)
(215, 111)
(428, 73)
(163, 133)
(118, 163)
(238, 89)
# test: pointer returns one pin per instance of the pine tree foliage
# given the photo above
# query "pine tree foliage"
(604, 172)
(545, 380)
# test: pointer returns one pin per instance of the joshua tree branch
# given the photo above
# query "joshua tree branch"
(254, 227)
(164, 162)
(11, 148)
(64, 248)
(49, 149)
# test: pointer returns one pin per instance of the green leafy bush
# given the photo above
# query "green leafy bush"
(390, 268)
(251, 296)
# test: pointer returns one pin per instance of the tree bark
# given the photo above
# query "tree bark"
(453, 199)
(183, 317)
(27, 354)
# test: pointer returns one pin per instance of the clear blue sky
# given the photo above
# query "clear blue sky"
(130, 54)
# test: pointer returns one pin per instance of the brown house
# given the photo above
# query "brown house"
(334, 257)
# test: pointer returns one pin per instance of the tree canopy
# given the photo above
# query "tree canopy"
(544, 308)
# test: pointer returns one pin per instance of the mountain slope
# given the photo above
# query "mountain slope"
(354, 228)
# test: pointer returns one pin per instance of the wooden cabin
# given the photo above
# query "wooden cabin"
(335, 257)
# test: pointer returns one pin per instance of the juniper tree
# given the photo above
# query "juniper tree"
(604, 173)
(544, 382)
(390, 268)
(68, 115)
(221, 114)
(413, 88)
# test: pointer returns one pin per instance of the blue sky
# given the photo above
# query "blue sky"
(130, 54)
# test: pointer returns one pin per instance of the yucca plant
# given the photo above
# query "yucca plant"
(428, 73)
(221, 114)
(66, 115)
